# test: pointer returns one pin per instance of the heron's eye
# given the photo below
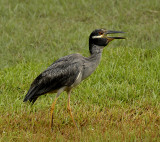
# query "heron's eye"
(100, 33)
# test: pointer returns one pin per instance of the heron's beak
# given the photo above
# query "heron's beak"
(113, 32)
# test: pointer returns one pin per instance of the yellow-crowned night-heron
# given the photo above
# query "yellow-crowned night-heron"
(69, 71)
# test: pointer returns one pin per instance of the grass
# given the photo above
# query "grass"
(119, 102)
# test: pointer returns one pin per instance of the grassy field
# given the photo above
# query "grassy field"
(120, 101)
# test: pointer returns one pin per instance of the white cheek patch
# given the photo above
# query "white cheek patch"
(99, 36)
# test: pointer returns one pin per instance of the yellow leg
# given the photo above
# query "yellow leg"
(69, 109)
(53, 105)
(51, 113)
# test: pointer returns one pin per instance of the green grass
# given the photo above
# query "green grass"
(120, 101)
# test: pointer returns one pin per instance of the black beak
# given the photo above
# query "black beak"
(113, 32)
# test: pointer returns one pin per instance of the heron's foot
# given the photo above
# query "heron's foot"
(69, 110)
(51, 122)
(51, 113)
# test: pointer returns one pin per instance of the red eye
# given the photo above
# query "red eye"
(100, 33)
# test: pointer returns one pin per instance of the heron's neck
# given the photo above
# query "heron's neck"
(96, 53)
(93, 61)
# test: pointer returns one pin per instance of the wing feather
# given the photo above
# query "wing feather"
(61, 73)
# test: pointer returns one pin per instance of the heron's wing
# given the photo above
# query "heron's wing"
(61, 73)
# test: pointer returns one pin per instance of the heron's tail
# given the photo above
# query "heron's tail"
(31, 95)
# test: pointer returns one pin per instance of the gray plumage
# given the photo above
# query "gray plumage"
(66, 72)
(69, 71)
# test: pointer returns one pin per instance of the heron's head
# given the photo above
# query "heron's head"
(100, 37)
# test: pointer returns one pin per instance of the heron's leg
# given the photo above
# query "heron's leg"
(69, 108)
(52, 109)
